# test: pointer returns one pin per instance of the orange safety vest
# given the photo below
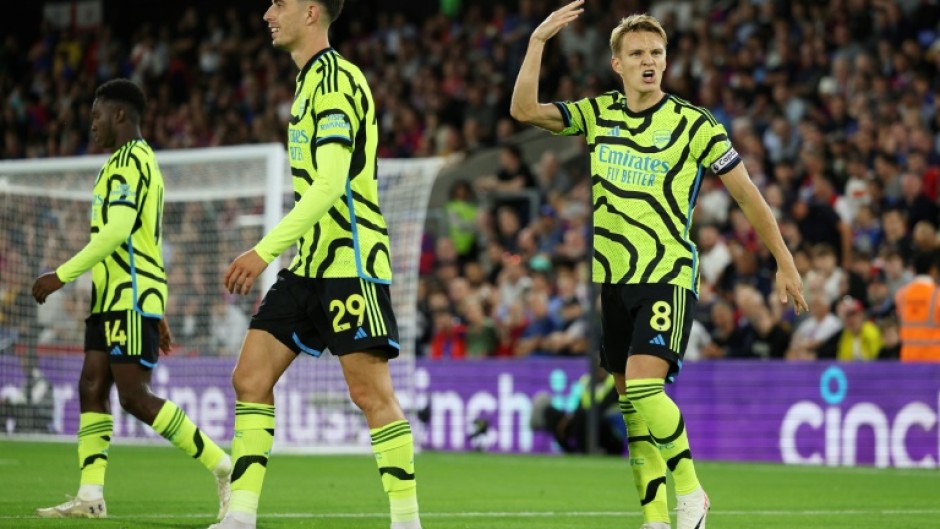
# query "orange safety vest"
(918, 308)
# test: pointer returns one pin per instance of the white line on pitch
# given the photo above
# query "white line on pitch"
(536, 514)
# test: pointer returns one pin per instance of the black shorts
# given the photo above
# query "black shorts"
(645, 319)
(125, 335)
(346, 315)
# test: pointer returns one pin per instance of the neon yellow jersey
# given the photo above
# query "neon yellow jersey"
(132, 277)
(333, 104)
(646, 169)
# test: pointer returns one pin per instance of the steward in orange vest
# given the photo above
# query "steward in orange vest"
(918, 307)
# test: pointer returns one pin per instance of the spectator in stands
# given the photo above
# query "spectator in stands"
(511, 180)
(481, 336)
(226, 324)
(511, 324)
(923, 239)
(449, 335)
(819, 223)
(745, 268)
(713, 202)
(896, 275)
(539, 326)
(771, 337)
(826, 270)
(699, 340)
(554, 181)
(462, 211)
(814, 336)
(860, 339)
(571, 337)
(891, 339)
(915, 204)
(896, 238)
(866, 231)
(728, 339)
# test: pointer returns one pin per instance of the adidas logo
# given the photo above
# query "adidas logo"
(116, 351)
(361, 333)
(658, 340)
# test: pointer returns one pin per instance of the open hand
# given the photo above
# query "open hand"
(242, 273)
(558, 20)
(790, 284)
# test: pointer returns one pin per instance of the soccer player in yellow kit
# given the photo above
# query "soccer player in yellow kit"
(335, 293)
(126, 329)
(648, 152)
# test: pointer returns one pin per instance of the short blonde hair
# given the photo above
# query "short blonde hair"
(633, 23)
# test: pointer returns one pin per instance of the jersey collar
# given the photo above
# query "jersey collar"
(313, 60)
(644, 113)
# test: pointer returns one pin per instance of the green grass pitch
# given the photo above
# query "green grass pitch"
(158, 487)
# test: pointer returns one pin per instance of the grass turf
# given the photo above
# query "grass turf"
(158, 487)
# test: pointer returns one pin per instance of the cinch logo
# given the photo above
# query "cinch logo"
(838, 427)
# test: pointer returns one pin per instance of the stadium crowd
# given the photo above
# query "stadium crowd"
(833, 107)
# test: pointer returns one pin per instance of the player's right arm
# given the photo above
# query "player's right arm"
(525, 106)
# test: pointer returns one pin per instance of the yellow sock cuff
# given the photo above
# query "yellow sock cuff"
(644, 387)
(168, 419)
(93, 423)
(253, 416)
(392, 435)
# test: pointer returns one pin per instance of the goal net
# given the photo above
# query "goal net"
(218, 203)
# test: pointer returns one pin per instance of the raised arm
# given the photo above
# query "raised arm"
(755, 208)
(525, 105)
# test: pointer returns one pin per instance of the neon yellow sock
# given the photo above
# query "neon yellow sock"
(649, 469)
(251, 448)
(667, 429)
(94, 439)
(176, 427)
(393, 446)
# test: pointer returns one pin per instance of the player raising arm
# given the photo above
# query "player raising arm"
(648, 152)
(335, 294)
(126, 328)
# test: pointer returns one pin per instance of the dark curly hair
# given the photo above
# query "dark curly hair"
(123, 91)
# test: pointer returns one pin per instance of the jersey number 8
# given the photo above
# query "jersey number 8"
(661, 320)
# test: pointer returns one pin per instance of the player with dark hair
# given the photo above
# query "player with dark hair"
(126, 329)
(648, 152)
(335, 293)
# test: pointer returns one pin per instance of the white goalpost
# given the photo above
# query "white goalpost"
(218, 203)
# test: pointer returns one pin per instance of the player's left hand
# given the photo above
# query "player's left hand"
(166, 337)
(789, 283)
(241, 274)
(46, 284)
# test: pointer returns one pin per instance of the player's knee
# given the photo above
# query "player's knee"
(140, 403)
(368, 398)
(250, 386)
(92, 389)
